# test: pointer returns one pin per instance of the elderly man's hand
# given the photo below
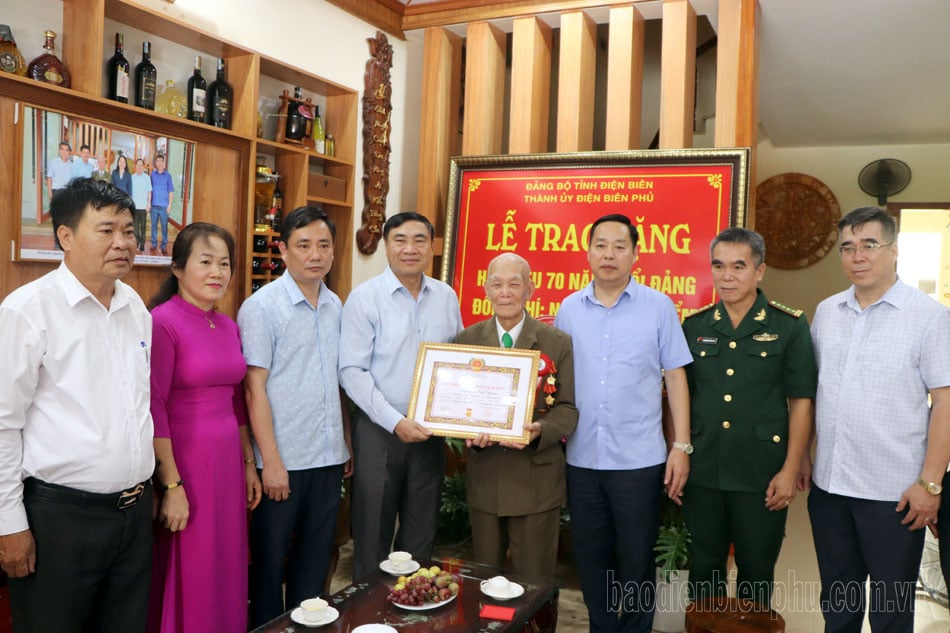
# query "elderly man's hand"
(921, 507)
(535, 432)
(18, 554)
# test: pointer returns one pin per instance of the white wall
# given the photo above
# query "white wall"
(838, 168)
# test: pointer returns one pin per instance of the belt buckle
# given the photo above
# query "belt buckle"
(130, 497)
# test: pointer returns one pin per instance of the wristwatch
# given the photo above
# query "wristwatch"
(687, 448)
(931, 487)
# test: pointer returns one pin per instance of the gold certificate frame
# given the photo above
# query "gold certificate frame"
(465, 390)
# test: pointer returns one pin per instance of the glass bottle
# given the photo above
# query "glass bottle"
(11, 61)
(331, 146)
(145, 79)
(220, 99)
(172, 101)
(118, 72)
(277, 209)
(196, 93)
(296, 122)
(47, 67)
(319, 138)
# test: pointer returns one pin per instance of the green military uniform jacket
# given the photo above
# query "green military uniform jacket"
(739, 381)
(512, 482)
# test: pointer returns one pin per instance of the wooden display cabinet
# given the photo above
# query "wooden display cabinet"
(224, 159)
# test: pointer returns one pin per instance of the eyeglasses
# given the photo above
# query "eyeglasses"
(868, 248)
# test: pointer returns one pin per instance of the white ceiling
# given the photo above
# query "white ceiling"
(846, 72)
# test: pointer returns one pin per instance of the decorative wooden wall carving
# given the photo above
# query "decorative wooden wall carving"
(377, 115)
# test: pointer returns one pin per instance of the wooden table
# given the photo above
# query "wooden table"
(364, 602)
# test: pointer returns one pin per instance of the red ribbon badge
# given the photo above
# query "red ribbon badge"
(546, 379)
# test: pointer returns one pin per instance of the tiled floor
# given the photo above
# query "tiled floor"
(796, 593)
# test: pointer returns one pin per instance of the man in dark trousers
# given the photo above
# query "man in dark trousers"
(751, 383)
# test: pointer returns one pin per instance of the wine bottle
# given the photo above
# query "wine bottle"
(196, 93)
(257, 284)
(319, 138)
(260, 243)
(119, 72)
(277, 209)
(296, 124)
(220, 97)
(145, 78)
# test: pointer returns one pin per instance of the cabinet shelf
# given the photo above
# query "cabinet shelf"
(224, 160)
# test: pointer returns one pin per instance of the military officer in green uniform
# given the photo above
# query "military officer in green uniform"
(752, 383)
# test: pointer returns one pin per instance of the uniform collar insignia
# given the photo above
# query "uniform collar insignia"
(760, 316)
(716, 315)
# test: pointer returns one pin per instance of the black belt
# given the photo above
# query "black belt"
(61, 494)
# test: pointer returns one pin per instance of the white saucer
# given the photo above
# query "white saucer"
(297, 616)
(387, 567)
(514, 590)
(374, 628)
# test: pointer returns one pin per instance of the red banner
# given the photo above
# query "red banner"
(542, 207)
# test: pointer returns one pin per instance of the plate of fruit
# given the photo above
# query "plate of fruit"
(426, 589)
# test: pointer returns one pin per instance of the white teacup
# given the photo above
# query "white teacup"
(313, 609)
(400, 561)
(499, 585)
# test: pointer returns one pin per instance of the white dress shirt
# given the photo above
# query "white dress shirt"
(74, 407)
(875, 367)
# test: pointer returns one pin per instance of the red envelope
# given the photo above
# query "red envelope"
(494, 612)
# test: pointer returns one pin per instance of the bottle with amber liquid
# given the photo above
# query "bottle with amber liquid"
(118, 72)
(277, 209)
(11, 61)
(47, 67)
(145, 79)
(220, 98)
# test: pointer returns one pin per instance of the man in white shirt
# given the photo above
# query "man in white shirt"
(59, 170)
(75, 428)
(85, 166)
(882, 347)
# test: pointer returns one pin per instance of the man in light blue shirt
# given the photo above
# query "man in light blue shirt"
(163, 191)
(882, 452)
(59, 170)
(626, 337)
(85, 166)
(399, 465)
(290, 332)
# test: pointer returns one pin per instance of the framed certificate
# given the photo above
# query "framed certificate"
(464, 390)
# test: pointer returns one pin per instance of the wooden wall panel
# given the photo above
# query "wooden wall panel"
(530, 86)
(678, 74)
(737, 83)
(624, 79)
(438, 130)
(484, 89)
(575, 100)
(81, 41)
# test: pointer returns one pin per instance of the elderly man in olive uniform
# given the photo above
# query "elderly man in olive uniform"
(752, 384)
(515, 491)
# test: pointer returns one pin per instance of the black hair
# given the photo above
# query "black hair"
(181, 250)
(70, 203)
(304, 216)
(84, 146)
(862, 215)
(622, 219)
(407, 216)
(738, 235)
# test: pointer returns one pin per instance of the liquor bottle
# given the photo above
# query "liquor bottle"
(331, 146)
(196, 93)
(257, 266)
(145, 78)
(219, 100)
(319, 138)
(257, 284)
(118, 71)
(11, 61)
(260, 243)
(268, 266)
(296, 123)
(172, 101)
(274, 246)
(278, 209)
(47, 67)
